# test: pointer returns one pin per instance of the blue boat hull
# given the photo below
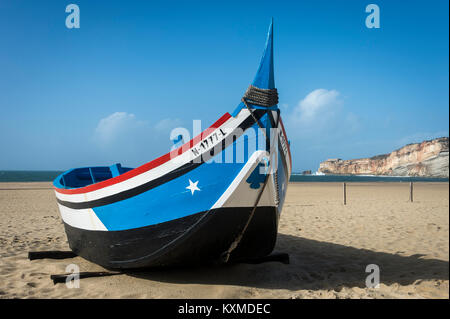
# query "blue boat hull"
(217, 197)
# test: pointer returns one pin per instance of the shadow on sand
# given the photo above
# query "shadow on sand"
(314, 265)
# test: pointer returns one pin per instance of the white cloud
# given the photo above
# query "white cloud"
(122, 137)
(115, 126)
(165, 125)
(125, 128)
(321, 118)
(317, 104)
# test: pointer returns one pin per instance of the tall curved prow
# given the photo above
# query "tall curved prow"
(262, 94)
(264, 78)
(262, 97)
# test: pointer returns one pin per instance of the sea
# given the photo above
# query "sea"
(48, 176)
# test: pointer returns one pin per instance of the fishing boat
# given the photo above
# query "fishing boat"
(217, 197)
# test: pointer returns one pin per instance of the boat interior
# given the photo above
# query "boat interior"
(80, 177)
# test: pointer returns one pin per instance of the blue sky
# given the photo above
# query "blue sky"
(112, 90)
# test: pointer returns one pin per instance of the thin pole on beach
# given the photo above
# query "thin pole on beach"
(344, 191)
(411, 192)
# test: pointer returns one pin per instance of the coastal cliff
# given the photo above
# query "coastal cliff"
(429, 158)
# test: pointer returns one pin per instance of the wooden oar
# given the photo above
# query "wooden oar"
(61, 278)
(51, 254)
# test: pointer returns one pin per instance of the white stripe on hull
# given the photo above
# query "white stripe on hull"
(81, 218)
(239, 193)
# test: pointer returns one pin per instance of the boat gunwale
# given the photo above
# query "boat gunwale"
(287, 140)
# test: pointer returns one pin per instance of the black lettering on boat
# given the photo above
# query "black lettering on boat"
(195, 152)
(283, 142)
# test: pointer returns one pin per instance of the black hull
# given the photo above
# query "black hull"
(196, 239)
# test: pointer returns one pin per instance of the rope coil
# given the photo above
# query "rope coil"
(261, 97)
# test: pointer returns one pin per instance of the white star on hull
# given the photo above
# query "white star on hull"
(193, 187)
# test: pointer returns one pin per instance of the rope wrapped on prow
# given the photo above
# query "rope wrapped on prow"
(261, 97)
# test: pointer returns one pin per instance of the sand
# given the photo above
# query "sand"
(329, 244)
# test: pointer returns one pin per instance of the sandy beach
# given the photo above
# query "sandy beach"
(329, 245)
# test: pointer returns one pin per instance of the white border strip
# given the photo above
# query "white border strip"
(251, 164)
(81, 218)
